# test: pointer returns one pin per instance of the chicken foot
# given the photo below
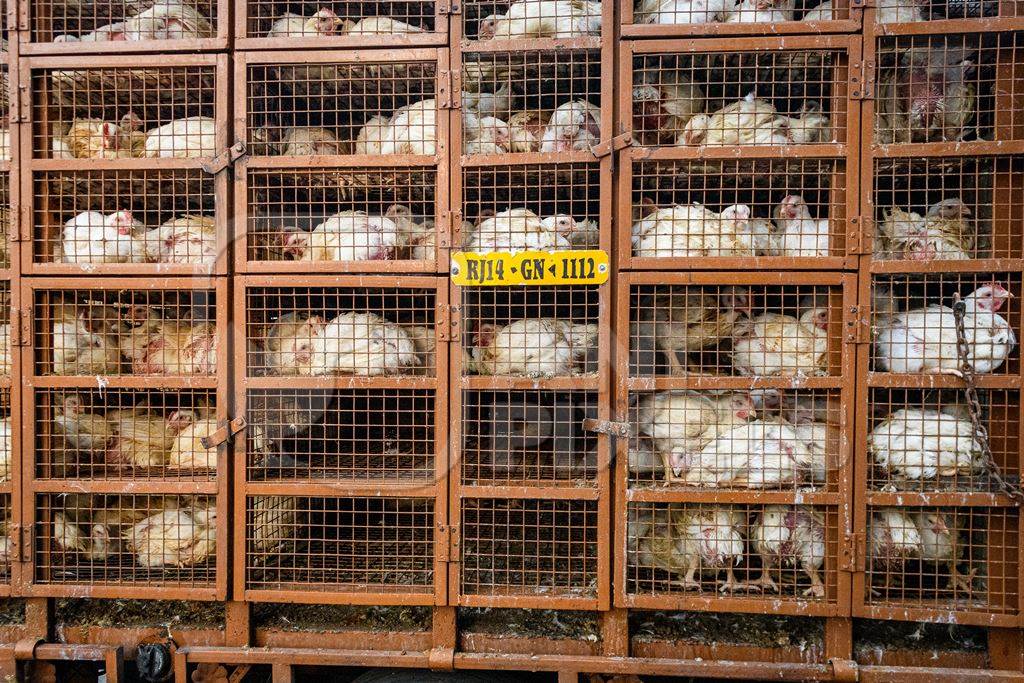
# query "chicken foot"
(731, 583)
(817, 588)
(962, 582)
(688, 581)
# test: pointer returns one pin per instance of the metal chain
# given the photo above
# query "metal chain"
(974, 405)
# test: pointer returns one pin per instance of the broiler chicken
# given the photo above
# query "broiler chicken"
(800, 234)
(169, 347)
(689, 321)
(309, 141)
(710, 540)
(187, 452)
(940, 546)
(412, 129)
(187, 239)
(179, 537)
(537, 347)
(346, 236)
(324, 22)
(757, 455)
(164, 20)
(526, 128)
(752, 121)
(98, 139)
(752, 11)
(663, 102)
(195, 136)
(85, 340)
(547, 19)
(927, 97)
(694, 230)
(790, 536)
(680, 423)
(289, 344)
(141, 438)
(772, 344)
(574, 126)
(376, 26)
(893, 540)
(924, 339)
(91, 237)
(923, 444)
(517, 230)
(87, 432)
(942, 233)
(681, 11)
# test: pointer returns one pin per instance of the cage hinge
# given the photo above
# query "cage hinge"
(862, 80)
(607, 147)
(607, 427)
(858, 329)
(449, 90)
(454, 543)
(22, 109)
(21, 536)
(448, 322)
(21, 330)
(442, 542)
(851, 552)
(844, 670)
(449, 7)
(226, 159)
(856, 240)
(223, 433)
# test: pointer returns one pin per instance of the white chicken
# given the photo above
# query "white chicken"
(537, 347)
(751, 11)
(942, 233)
(178, 537)
(680, 423)
(924, 339)
(711, 540)
(525, 129)
(773, 344)
(923, 444)
(289, 344)
(164, 20)
(324, 22)
(309, 141)
(752, 121)
(352, 343)
(187, 452)
(893, 540)
(799, 233)
(574, 126)
(412, 129)
(169, 347)
(789, 536)
(91, 237)
(547, 19)
(187, 239)
(98, 139)
(194, 136)
(375, 26)
(757, 455)
(663, 102)
(86, 432)
(85, 340)
(346, 236)
(371, 136)
(681, 11)
(694, 230)
(517, 230)
(484, 134)
(940, 546)
(142, 438)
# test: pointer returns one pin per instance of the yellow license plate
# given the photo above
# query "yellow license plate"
(530, 268)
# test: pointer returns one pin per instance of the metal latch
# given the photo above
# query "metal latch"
(618, 142)
(448, 320)
(21, 536)
(863, 82)
(858, 330)
(225, 159)
(21, 329)
(850, 551)
(607, 427)
(857, 242)
(223, 433)
(449, 89)
(447, 7)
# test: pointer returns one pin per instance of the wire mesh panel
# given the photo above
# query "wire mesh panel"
(766, 439)
(129, 541)
(6, 214)
(352, 330)
(533, 101)
(156, 221)
(370, 435)
(947, 209)
(343, 105)
(337, 23)
(353, 545)
(924, 440)
(6, 537)
(528, 548)
(778, 96)
(889, 12)
(118, 330)
(947, 88)
(103, 26)
(365, 218)
(769, 553)
(98, 435)
(915, 331)
(707, 210)
(747, 330)
(532, 332)
(520, 20)
(131, 109)
(669, 17)
(943, 558)
(525, 207)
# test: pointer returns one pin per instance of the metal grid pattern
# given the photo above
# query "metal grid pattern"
(366, 218)
(353, 107)
(730, 17)
(529, 547)
(766, 439)
(533, 332)
(155, 220)
(367, 435)
(946, 208)
(735, 330)
(531, 206)
(134, 435)
(923, 440)
(356, 331)
(121, 540)
(125, 112)
(90, 25)
(532, 101)
(777, 208)
(746, 97)
(943, 558)
(528, 437)
(339, 21)
(487, 20)
(6, 217)
(358, 545)
(770, 552)
(899, 12)
(114, 331)
(914, 328)
(946, 88)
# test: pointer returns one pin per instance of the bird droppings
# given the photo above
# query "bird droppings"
(340, 617)
(531, 623)
(871, 635)
(139, 613)
(735, 629)
(12, 612)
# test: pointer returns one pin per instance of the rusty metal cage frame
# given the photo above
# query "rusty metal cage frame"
(336, 488)
(634, 30)
(25, 19)
(845, 100)
(438, 164)
(35, 487)
(204, 164)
